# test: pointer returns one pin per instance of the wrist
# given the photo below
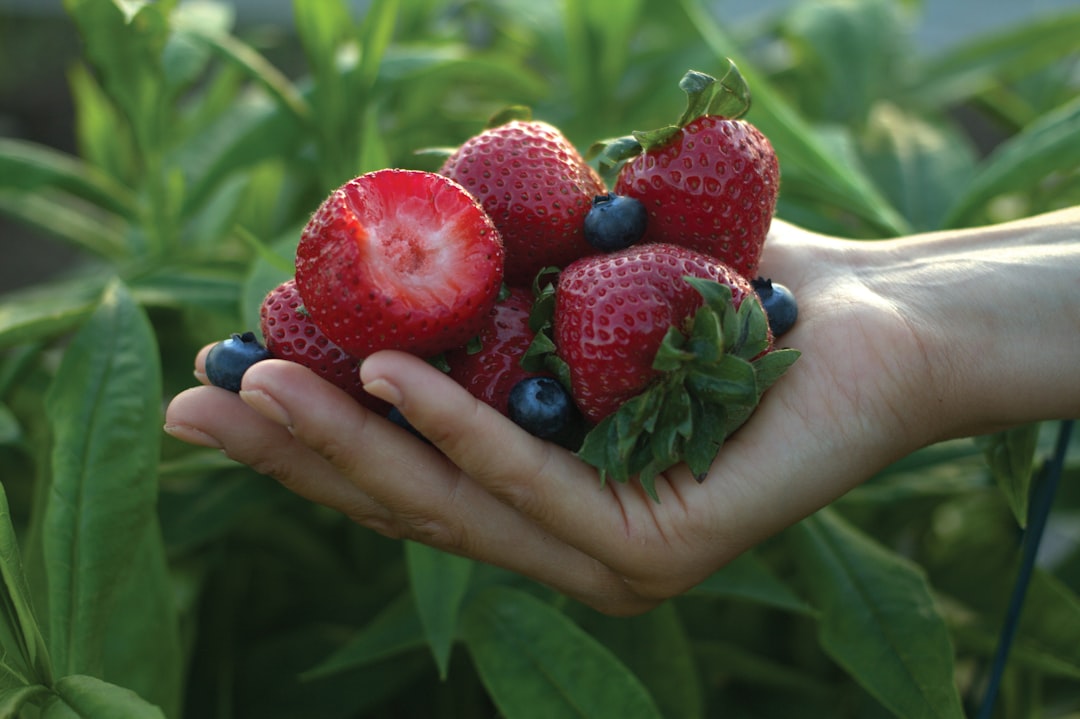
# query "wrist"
(996, 311)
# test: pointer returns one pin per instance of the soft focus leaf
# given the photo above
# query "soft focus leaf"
(877, 618)
(1011, 457)
(535, 662)
(22, 646)
(1023, 162)
(104, 409)
(748, 578)
(86, 697)
(439, 582)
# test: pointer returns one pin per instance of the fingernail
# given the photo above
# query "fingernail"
(266, 405)
(383, 390)
(187, 433)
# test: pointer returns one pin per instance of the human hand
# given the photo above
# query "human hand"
(856, 400)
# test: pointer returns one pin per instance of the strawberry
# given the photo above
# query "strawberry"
(399, 259)
(290, 334)
(536, 187)
(667, 349)
(710, 182)
(491, 370)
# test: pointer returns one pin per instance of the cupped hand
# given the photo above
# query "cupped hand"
(486, 489)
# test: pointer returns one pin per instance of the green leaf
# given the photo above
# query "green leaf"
(1022, 163)
(877, 618)
(729, 381)
(47, 310)
(987, 60)
(143, 647)
(86, 697)
(439, 582)
(918, 165)
(255, 66)
(104, 409)
(124, 41)
(13, 699)
(769, 368)
(748, 578)
(657, 648)
(58, 215)
(397, 629)
(22, 646)
(1011, 458)
(30, 167)
(535, 662)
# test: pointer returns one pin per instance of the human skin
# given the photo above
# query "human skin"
(904, 343)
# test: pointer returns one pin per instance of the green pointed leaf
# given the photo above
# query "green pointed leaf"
(610, 154)
(22, 646)
(143, 648)
(701, 447)
(439, 583)
(30, 167)
(104, 409)
(753, 326)
(729, 381)
(878, 619)
(86, 697)
(661, 653)
(1011, 457)
(98, 233)
(535, 662)
(670, 355)
(395, 630)
(13, 699)
(769, 368)
(732, 98)
(748, 578)
(255, 66)
(1022, 162)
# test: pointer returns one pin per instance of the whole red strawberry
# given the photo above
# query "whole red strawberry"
(711, 181)
(399, 259)
(290, 334)
(536, 187)
(667, 349)
(491, 369)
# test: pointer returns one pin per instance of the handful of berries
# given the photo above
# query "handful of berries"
(628, 325)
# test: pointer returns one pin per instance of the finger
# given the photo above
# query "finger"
(216, 418)
(432, 500)
(618, 524)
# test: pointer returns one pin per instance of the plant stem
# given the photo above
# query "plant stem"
(1041, 500)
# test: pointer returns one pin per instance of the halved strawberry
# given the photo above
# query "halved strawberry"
(290, 334)
(537, 189)
(667, 349)
(399, 259)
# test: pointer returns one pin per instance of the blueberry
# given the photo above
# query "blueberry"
(615, 222)
(543, 408)
(395, 416)
(779, 304)
(229, 359)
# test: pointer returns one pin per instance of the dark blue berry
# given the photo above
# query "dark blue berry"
(229, 359)
(395, 416)
(615, 222)
(543, 408)
(779, 304)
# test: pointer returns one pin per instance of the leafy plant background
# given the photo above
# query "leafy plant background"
(142, 577)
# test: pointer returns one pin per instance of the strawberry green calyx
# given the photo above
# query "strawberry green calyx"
(727, 96)
(713, 377)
